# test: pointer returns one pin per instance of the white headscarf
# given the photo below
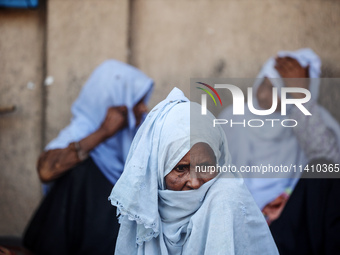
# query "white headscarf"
(218, 218)
(274, 146)
(113, 83)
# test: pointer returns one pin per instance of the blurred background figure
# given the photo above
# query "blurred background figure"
(85, 161)
(315, 139)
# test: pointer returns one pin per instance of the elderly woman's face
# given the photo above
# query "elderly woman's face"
(184, 176)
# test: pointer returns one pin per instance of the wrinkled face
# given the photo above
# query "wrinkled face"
(184, 176)
(139, 109)
(265, 95)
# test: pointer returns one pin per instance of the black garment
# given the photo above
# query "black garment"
(75, 217)
(310, 221)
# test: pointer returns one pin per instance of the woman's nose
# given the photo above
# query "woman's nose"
(194, 182)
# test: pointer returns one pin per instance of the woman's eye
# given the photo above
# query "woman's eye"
(182, 168)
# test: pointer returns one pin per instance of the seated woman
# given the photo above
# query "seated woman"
(294, 218)
(169, 204)
(85, 161)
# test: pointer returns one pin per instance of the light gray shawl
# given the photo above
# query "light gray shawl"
(218, 218)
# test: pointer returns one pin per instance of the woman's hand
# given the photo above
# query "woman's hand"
(115, 120)
(53, 163)
(273, 210)
(290, 68)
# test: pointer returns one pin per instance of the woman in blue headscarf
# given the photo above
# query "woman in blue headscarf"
(297, 209)
(169, 204)
(85, 161)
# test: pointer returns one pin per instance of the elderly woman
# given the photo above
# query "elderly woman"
(167, 201)
(85, 161)
(296, 219)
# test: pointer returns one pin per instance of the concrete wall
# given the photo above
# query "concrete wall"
(21, 65)
(66, 44)
(170, 40)
(80, 35)
(175, 40)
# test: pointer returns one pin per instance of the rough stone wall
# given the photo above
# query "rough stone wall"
(80, 35)
(21, 67)
(175, 40)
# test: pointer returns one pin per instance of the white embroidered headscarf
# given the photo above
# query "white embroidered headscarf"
(218, 218)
